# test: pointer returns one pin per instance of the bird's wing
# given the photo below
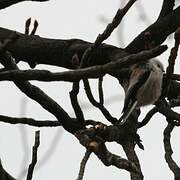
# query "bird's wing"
(138, 77)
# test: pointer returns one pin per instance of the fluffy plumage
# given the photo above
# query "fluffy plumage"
(144, 87)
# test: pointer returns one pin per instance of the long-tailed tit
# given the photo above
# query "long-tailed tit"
(144, 87)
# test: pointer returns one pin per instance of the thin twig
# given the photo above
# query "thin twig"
(100, 89)
(83, 164)
(34, 156)
(148, 117)
(107, 32)
(115, 22)
(34, 28)
(27, 25)
(29, 121)
(101, 107)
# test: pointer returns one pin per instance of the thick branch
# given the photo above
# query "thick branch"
(39, 96)
(5, 3)
(158, 31)
(167, 7)
(91, 72)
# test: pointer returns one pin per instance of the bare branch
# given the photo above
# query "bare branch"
(91, 72)
(29, 121)
(83, 164)
(97, 146)
(167, 7)
(132, 156)
(116, 21)
(100, 89)
(168, 151)
(159, 32)
(74, 101)
(39, 96)
(148, 117)
(34, 28)
(34, 156)
(166, 110)
(5, 3)
(100, 106)
(27, 25)
(88, 53)
(171, 60)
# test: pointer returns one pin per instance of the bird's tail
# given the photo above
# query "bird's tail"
(127, 113)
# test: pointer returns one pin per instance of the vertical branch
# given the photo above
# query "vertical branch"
(168, 151)
(34, 28)
(83, 164)
(74, 101)
(132, 156)
(100, 89)
(104, 111)
(171, 60)
(24, 138)
(34, 156)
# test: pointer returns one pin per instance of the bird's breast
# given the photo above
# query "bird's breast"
(151, 90)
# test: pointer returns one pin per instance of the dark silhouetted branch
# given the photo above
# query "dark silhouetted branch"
(159, 32)
(75, 104)
(29, 121)
(132, 156)
(38, 95)
(165, 109)
(83, 164)
(100, 90)
(34, 156)
(97, 146)
(148, 117)
(168, 152)
(115, 22)
(75, 75)
(5, 3)
(171, 60)
(167, 7)
(99, 105)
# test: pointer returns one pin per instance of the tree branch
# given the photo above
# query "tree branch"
(100, 106)
(5, 3)
(29, 121)
(39, 96)
(83, 164)
(91, 72)
(168, 152)
(34, 156)
(159, 32)
(167, 7)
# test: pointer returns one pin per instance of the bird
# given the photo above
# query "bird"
(144, 86)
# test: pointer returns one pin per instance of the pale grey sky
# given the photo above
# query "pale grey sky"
(77, 19)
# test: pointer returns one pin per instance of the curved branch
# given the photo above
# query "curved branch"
(5, 3)
(39, 96)
(168, 151)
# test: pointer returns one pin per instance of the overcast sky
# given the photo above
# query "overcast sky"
(83, 19)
